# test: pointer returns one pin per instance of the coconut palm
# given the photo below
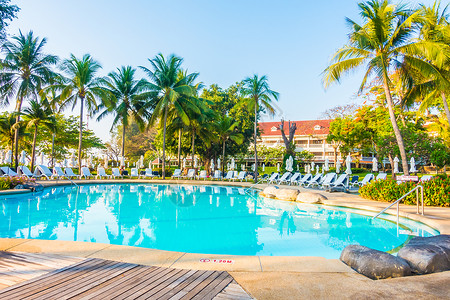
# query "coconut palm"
(170, 90)
(38, 114)
(81, 87)
(26, 70)
(129, 100)
(7, 129)
(226, 129)
(384, 43)
(258, 97)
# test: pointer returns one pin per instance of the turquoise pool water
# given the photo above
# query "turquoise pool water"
(198, 219)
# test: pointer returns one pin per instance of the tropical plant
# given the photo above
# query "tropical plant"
(170, 90)
(129, 100)
(384, 43)
(81, 87)
(226, 129)
(34, 116)
(7, 13)
(7, 129)
(26, 70)
(258, 96)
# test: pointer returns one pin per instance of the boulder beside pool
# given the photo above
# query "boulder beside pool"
(427, 255)
(373, 263)
(287, 194)
(309, 197)
(269, 192)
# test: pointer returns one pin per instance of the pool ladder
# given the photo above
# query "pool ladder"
(416, 189)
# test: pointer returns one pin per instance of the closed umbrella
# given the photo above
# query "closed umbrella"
(65, 163)
(338, 166)
(149, 164)
(23, 157)
(396, 160)
(243, 167)
(312, 166)
(141, 162)
(218, 163)
(374, 164)
(90, 161)
(348, 162)
(264, 167)
(233, 165)
(298, 168)
(253, 167)
(73, 161)
(105, 162)
(184, 162)
(278, 167)
(195, 163)
(326, 166)
(317, 169)
(413, 166)
(212, 164)
(42, 158)
(2, 156)
(122, 161)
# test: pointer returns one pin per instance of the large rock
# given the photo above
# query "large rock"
(287, 194)
(373, 263)
(309, 197)
(270, 192)
(427, 254)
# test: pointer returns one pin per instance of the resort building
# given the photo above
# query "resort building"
(310, 136)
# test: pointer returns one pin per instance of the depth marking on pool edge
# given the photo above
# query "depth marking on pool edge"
(216, 261)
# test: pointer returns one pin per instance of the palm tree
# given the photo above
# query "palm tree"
(7, 128)
(170, 90)
(83, 87)
(384, 43)
(26, 70)
(129, 100)
(258, 96)
(226, 130)
(35, 115)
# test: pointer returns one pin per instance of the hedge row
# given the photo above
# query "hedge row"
(7, 183)
(436, 191)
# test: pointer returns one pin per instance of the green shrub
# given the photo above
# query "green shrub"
(169, 171)
(7, 183)
(436, 191)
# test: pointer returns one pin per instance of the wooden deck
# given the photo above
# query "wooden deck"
(42, 276)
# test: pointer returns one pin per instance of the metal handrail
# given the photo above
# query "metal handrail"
(401, 198)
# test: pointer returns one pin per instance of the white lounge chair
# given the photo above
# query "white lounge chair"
(69, 173)
(272, 178)
(203, 175)
(342, 181)
(134, 173)
(190, 174)
(426, 178)
(148, 173)
(229, 176)
(305, 179)
(284, 178)
(295, 178)
(8, 172)
(43, 171)
(115, 173)
(101, 173)
(368, 178)
(241, 176)
(58, 173)
(328, 179)
(381, 176)
(217, 175)
(24, 171)
(315, 181)
(177, 173)
(85, 173)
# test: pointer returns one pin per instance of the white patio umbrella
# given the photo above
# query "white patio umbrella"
(338, 166)
(289, 164)
(65, 163)
(278, 167)
(243, 167)
(308, 168)
(253, 167)
(23, 157)
(228, 166)
(298, 168)
(264, 167)
(184, 163)
(317, 169)
(195, 163)
(348, 164)
(374, 164)
(218, 163)
(2, 155)
(105, 162)
(413, 165)
(326, 166)
(90, 161)
(396, 160)
(150, 164)
(212, 164)
(233, 165)
(122, 161)
(141, 162)
(312, 166)
(73, 161)
(41, 158)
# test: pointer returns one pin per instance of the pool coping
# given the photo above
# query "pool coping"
(231, 263)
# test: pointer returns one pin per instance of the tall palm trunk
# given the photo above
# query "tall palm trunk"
(223, 157)
(447, 111)
(256, 152)
(53, 150)
(398, 135)
(80, 137)
(33, 151)
(123, 139)
(164, 144)
(193, 146)
(179, 149)
(16, 133)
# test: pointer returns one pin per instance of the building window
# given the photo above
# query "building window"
(317, 142)
(273, 128)
(317, 127)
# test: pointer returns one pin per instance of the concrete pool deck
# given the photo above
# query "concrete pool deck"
(268, 277)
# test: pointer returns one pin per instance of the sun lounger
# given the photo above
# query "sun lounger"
(24, 171)
(295, 178)
(381, 176)
(203, 175)
(328, 179)
(58, 173)
(229, 176)
(43, 171)
(115, 173)
(369, 177)
(284, 178)
(8, 172)
(177, 173)
(342, 181)
(101, 173)
(217, 175)
(69, 173)
(305, 179)
(272, 178)
(315, 181)
(148, 173)
(426, 178)
(190, 174)
(134, 173)
(241, 176)
(85, 173)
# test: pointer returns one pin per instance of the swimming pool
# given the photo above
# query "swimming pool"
(198, 219)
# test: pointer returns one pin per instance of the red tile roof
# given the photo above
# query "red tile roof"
(303, 127)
